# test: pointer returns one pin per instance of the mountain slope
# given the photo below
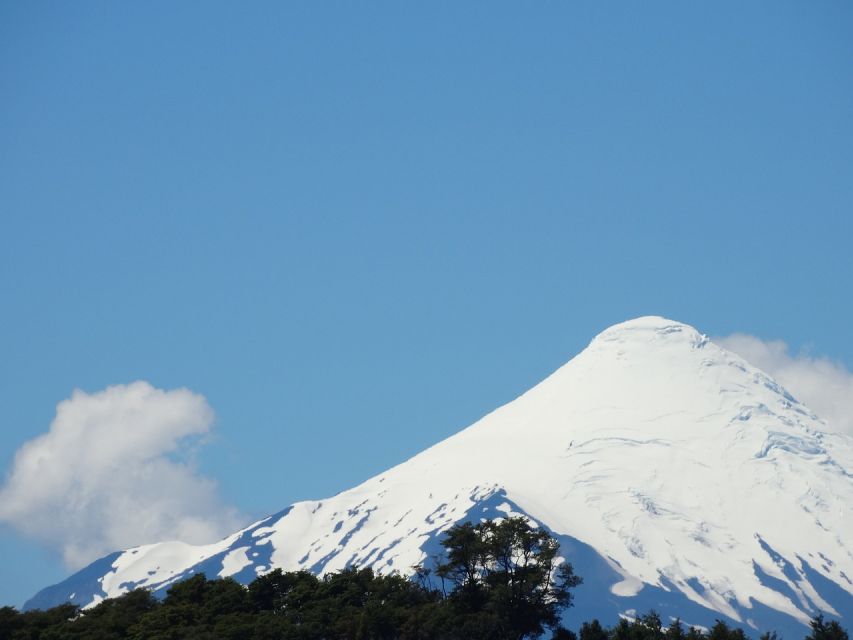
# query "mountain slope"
(675, 474)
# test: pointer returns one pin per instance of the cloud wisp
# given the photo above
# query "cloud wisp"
(822, 384)
(112, 472)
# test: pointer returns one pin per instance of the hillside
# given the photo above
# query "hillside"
(675, 475)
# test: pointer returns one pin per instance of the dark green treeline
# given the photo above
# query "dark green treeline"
(497, 581)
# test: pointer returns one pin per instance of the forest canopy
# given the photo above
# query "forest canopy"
(497, 580)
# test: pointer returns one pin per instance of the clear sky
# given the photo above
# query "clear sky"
(354, 228)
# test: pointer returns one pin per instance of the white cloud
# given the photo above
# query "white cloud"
(823, 385)
(113, 471)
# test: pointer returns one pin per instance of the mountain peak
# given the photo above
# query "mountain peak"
(676, 475)
(650, 330)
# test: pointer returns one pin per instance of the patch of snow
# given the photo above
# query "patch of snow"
(234, 561)
(654, 446)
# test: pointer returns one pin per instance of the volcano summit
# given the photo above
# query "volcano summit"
(676, 476)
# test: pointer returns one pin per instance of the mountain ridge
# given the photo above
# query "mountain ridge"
(694, 477)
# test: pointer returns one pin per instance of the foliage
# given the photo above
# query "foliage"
(823, 630)
(500, 581)
(509, 574)
(353, 604)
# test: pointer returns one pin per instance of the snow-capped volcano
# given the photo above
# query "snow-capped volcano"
(676, 475)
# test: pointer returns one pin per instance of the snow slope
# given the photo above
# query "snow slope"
(676, 475)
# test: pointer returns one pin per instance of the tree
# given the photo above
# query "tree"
(722, 631)
(593, 631)
(650, 626)
(507, 573)
(823, 630)
(114, 617)
(675, 631)
(10, 622)
(561, 633)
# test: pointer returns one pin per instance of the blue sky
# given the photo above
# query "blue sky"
(354, 229)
